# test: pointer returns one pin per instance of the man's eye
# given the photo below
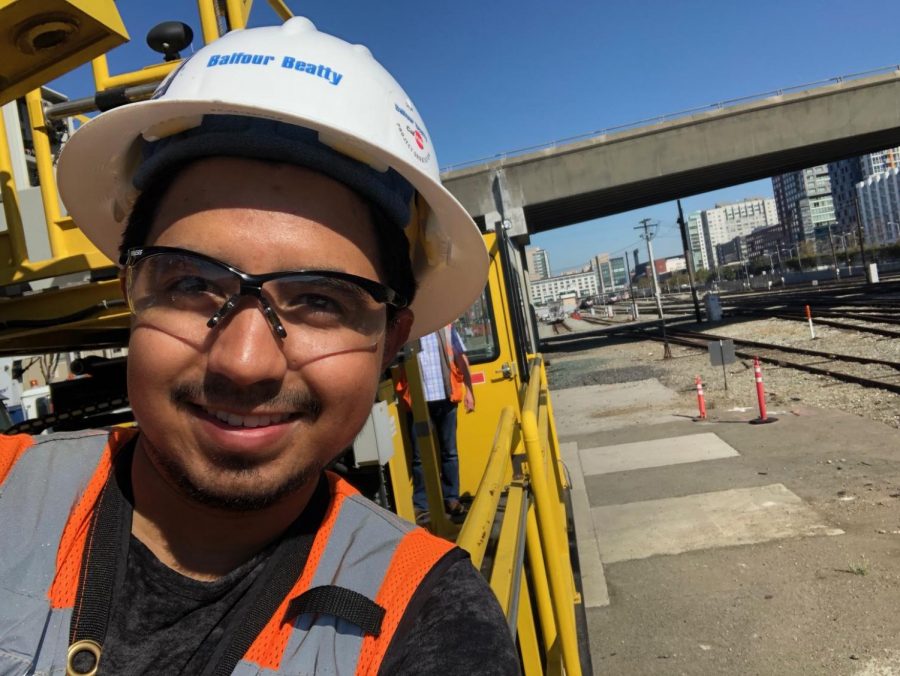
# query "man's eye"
(190, 286)
(317, 303)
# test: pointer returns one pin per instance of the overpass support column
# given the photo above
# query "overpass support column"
(511, 218)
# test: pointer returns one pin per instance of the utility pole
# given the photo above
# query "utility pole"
(634, 306)
(648, 236)
(689, 260)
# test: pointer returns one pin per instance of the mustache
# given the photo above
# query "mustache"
(218, 392)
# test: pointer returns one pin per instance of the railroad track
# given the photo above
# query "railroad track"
(561, 327)
(825, 320)
(775, 354)
(768, 352)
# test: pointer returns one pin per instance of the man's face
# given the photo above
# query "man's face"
(192, 398)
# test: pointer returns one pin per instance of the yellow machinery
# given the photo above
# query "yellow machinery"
(63, 296)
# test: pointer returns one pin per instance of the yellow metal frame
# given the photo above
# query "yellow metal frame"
(544, 593)
(511, 510)
(497, 390)
(70, 250)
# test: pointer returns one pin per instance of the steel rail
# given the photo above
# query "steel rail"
(682, 338)
(836, 375)
(790, 349)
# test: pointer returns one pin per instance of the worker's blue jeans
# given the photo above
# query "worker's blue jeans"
(443, 417)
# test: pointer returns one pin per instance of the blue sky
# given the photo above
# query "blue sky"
(494, 77)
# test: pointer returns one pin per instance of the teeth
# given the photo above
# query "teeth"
(236, 420)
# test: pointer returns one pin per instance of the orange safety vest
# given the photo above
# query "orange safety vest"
(51, 486)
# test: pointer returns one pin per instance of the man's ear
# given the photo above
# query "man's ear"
(396, 335)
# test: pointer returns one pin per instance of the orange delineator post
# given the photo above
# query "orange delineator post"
(812, 330)
(760, 395)
(701, 401)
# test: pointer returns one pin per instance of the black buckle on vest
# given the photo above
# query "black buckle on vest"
(339, 602)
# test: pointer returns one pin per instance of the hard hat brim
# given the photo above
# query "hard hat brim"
(97, 164)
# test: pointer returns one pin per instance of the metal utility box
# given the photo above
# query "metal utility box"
(713, 307)
(872, 273)
(375, 442)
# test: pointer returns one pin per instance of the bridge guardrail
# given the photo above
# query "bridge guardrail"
(668, 117)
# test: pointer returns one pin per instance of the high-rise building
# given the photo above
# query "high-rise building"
(875, 163)
(803, 199)
(538, 263)
(611, 272)
(619, 271)
(697, 241)
(846, 174)
(879, 206)
(729, 220)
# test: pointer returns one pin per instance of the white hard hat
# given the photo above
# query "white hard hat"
(292, 76)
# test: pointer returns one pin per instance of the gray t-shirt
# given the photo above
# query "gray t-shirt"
(166, 623)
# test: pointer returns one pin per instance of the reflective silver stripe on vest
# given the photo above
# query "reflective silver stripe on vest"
(35, 502)
(357, 556)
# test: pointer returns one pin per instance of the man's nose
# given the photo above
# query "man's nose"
(244, 347)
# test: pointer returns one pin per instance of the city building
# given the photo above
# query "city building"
(845, 175)
(583, 284)
(697, 241)
(674, 264)
(732, 251)
(804, 201)
(879, 206)
(764, 242)
(726, 221)
(876, 163)
(611, 272)
(538, 263)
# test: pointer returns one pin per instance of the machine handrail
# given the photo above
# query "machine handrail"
(476, 531)
(548, 505)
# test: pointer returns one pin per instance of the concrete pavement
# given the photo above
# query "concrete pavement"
(723, 547)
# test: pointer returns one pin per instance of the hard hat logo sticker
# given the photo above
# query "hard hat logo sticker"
(413, 136)
(288, 62)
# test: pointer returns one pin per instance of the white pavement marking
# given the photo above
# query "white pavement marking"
(740, 516)
(656, 453)
(593, 581)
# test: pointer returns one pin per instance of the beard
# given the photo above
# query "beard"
(233, 485)
(232, 482)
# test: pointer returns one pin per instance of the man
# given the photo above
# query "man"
(274, 209)
(446, 382)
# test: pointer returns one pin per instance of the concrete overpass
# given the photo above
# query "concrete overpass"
(695, 153)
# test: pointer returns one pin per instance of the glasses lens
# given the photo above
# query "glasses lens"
(323, 308)
(179, 292)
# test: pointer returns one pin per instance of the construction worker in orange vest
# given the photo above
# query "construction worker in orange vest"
(281, 232)
(446, 382)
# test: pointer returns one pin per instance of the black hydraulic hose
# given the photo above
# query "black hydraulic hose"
(84, 313)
